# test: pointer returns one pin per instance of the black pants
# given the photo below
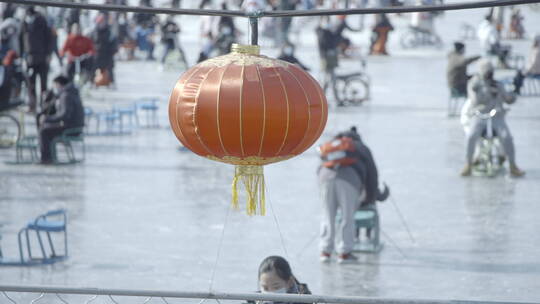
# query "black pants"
(46, 136)
(86, 68)
(41, 70)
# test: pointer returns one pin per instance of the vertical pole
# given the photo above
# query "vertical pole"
(254, 26)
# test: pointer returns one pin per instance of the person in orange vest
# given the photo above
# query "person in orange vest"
(348, 179)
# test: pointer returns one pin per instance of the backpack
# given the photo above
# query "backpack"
(338, 152)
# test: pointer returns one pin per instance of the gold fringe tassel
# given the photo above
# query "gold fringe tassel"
(253, 179)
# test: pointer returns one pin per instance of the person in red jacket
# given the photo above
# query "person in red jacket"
(78, 48)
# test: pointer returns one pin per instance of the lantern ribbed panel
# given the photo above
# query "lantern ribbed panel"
(247, 109)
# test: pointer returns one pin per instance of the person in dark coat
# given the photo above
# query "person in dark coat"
(36, 46)
(64, 112)
(456, 72)
(73, 16)
(106, 47)
(367, 170)
(285, 23)
(9, 10)
(169, 39)
(348, 180)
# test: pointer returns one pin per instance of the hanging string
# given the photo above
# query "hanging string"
(306, 246)
(292, 13)
(219, 249)
(281, 238)
(402, 219)
(393, 243)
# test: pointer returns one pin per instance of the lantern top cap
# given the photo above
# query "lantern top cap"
(245, 49)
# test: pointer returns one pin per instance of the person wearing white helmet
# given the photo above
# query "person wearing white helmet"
(486, 94)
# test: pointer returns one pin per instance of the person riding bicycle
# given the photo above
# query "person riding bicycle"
(329, 37)
(76, 46)
(486, 94)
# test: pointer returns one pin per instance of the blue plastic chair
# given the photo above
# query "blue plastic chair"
(368, 218)
(149, 107)
(44, 223)
(67, 138)
(130, 112)
(531, 86)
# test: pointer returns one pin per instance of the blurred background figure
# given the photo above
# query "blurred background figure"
(80, 50)
(532, 69)
(379, 36)
(37, 44)
(497, 17)
(516, 29)
(329, 37)
(106, 47)
(145, 30)
(423, 21)
(226, 33)
(285, 23)
(169, 39)
(8, 82)
(287, 54)
(456, 71)
(10, 29)
(490, 40)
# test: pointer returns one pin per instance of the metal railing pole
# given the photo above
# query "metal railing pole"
(291, 298)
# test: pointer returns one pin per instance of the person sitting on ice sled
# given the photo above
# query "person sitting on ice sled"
(348, 179)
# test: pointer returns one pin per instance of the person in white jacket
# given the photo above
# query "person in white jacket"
(486, 94)
(490, 41)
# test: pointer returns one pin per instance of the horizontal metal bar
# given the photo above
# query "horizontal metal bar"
(291, 298)
(292, 13)
(125, 8)
(399, 9)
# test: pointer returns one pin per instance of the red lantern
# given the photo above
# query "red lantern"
(247, 110)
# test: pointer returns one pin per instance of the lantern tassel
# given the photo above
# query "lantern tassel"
(253, 179)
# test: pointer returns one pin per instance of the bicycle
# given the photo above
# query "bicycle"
(488, 161)
(415, 37)
(351, 89)
(10, 130)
